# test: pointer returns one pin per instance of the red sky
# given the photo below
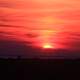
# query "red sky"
(52, 21)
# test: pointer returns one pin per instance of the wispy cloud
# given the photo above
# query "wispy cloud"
(26, 20)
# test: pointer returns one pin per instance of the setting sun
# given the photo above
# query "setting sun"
(47, 46)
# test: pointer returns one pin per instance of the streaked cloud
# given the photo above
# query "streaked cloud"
(31, 21)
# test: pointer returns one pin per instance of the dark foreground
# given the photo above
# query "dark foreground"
(26, 69)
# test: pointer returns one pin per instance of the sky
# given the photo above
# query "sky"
(41, 22)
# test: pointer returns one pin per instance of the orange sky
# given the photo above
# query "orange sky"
(41, 17)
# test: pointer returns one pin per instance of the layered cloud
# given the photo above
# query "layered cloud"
(41, 21)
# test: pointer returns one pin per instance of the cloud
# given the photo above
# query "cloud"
(6, 4)
(30, 21)
(30, 14)
(14, 48)
(8, 25)
(5, 33)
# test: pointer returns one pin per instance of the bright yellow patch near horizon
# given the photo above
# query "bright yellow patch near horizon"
(47, 46)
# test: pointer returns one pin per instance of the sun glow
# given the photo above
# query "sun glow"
(46, 46)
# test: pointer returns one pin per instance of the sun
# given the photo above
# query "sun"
(47, 46)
